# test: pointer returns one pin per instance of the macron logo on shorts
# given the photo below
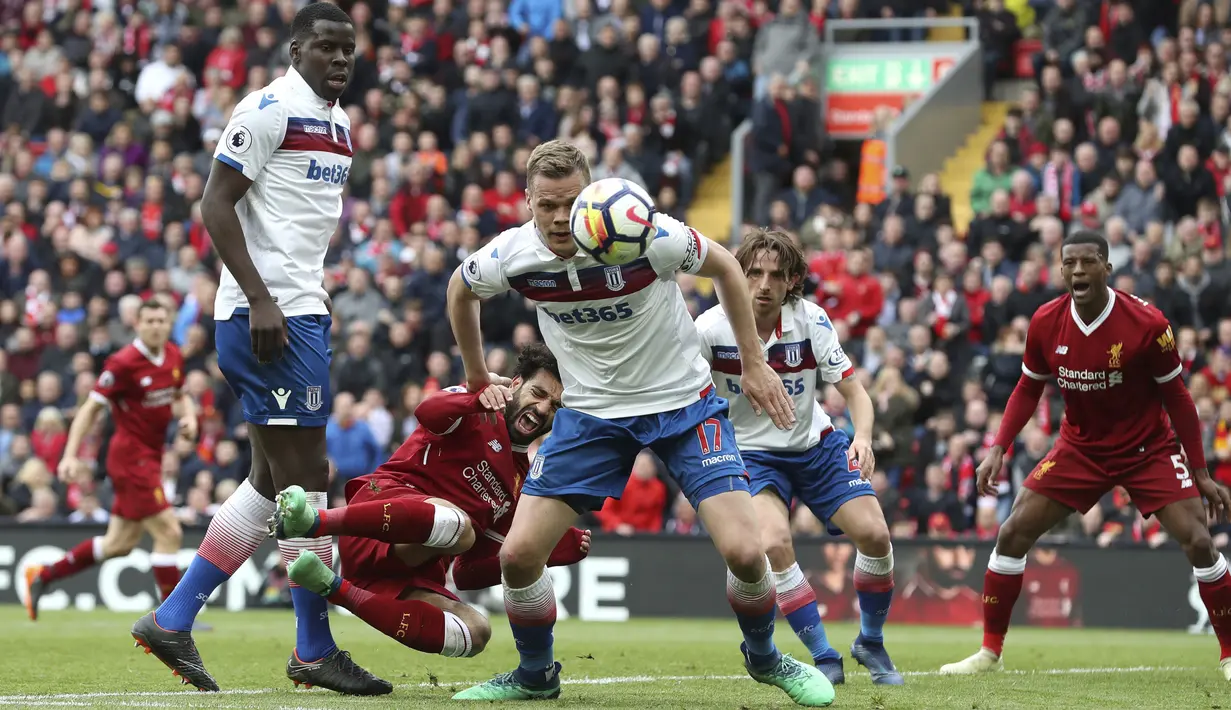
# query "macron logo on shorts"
(281, 394)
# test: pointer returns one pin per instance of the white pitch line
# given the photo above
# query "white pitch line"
(612, 680)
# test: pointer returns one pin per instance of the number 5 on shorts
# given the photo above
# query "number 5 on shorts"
(709, 442)
(1181, 470)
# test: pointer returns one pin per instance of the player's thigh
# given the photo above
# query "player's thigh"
(1069, 478)
(774, 522)
(585, 461)
(828, 481)
(1158, 481)
(729, 516)
(697, 444)
(164, 528)
(290, 392)
(538, 525)
(1186, 522)
(121, 537)
(863, 521)
(296, 455)
(1032, 516)
(480, 628)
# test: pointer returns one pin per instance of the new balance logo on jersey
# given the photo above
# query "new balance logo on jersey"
(1062, 350)
(495, 445)
(281, 394)
(335, 174)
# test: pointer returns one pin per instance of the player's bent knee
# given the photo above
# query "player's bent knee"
(1200, 547)
(520, 565)
(874, 541)
(452, 531)
(480, 633)
(745, 558)
(779, 548)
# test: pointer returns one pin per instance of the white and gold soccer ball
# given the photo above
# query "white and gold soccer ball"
(613, 221)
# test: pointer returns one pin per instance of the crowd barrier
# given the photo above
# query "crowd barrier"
(938, 581)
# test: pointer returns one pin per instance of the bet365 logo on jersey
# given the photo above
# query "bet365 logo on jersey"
(335, 174)
(619, 311)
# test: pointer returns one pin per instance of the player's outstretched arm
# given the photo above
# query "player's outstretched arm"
(760, 383)
(83, 422)
(863, 416)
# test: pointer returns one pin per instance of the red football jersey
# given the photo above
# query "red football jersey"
(1108, 372)
(141, 389)
(462, 457)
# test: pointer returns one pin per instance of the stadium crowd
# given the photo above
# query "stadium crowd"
(111, 116)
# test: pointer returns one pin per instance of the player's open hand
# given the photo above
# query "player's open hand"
(267, 327)
(988, 473)
(861, 453)
(494, 398)
(1217, 498)
(188, 428)
(766, 393)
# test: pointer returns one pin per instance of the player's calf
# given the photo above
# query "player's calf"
(433, 522)
(411, 622)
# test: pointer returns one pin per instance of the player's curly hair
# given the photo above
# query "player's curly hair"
(305, 20)
(557, 159)
(1085, 236)
(779, 243)
(535, 357)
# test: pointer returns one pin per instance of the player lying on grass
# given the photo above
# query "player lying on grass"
(1115, 362)
(143, 381)
(447, 495)
(635, 379)
(813, 462)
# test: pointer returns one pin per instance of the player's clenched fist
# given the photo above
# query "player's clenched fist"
(70, 469)
(1217, 498)
(766, 393)
(988, 472)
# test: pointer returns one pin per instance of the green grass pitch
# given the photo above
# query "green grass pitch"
(87, 659)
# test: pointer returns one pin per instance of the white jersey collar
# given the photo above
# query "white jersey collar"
(141, 348)
(300, 86)
(1094, 324)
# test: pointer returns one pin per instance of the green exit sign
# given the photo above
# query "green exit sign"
(848, 75)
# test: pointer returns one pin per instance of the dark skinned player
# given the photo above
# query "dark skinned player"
(271, 204)
(1126, 415)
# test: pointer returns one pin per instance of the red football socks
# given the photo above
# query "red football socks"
(166, 577)
(79, 558)
(397, 520)
(1000, 592)
(412, 623)
(1217, 598)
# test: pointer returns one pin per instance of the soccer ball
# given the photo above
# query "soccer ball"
(613, 221)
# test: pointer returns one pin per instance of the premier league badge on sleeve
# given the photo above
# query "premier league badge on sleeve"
(238, 140)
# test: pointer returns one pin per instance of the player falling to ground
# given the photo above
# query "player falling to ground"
(271, 204)
(141, 382)
(449, 490)
(822, 467)
(634, 377)
(1115, 361)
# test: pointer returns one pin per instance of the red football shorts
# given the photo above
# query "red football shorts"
(373, 565)
(138, 488)
(1153, 480)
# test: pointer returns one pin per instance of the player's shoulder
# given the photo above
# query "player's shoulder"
(1140, 311)
(713, 319)
(126, 355)
(810, 315)
(269, 102)
(1052, 311)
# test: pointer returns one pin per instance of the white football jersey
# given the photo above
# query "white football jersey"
(802, 350)
(626, 343)
(295, 147)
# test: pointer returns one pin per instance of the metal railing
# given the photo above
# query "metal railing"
(903, 146)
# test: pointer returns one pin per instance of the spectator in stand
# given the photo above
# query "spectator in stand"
(351, 445)
(997, 174)
(640, 509)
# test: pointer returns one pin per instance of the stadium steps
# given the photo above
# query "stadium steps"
(948, 34)
(710, 212)
(958, 174)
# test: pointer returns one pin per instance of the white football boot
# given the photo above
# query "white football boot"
(985, 662)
